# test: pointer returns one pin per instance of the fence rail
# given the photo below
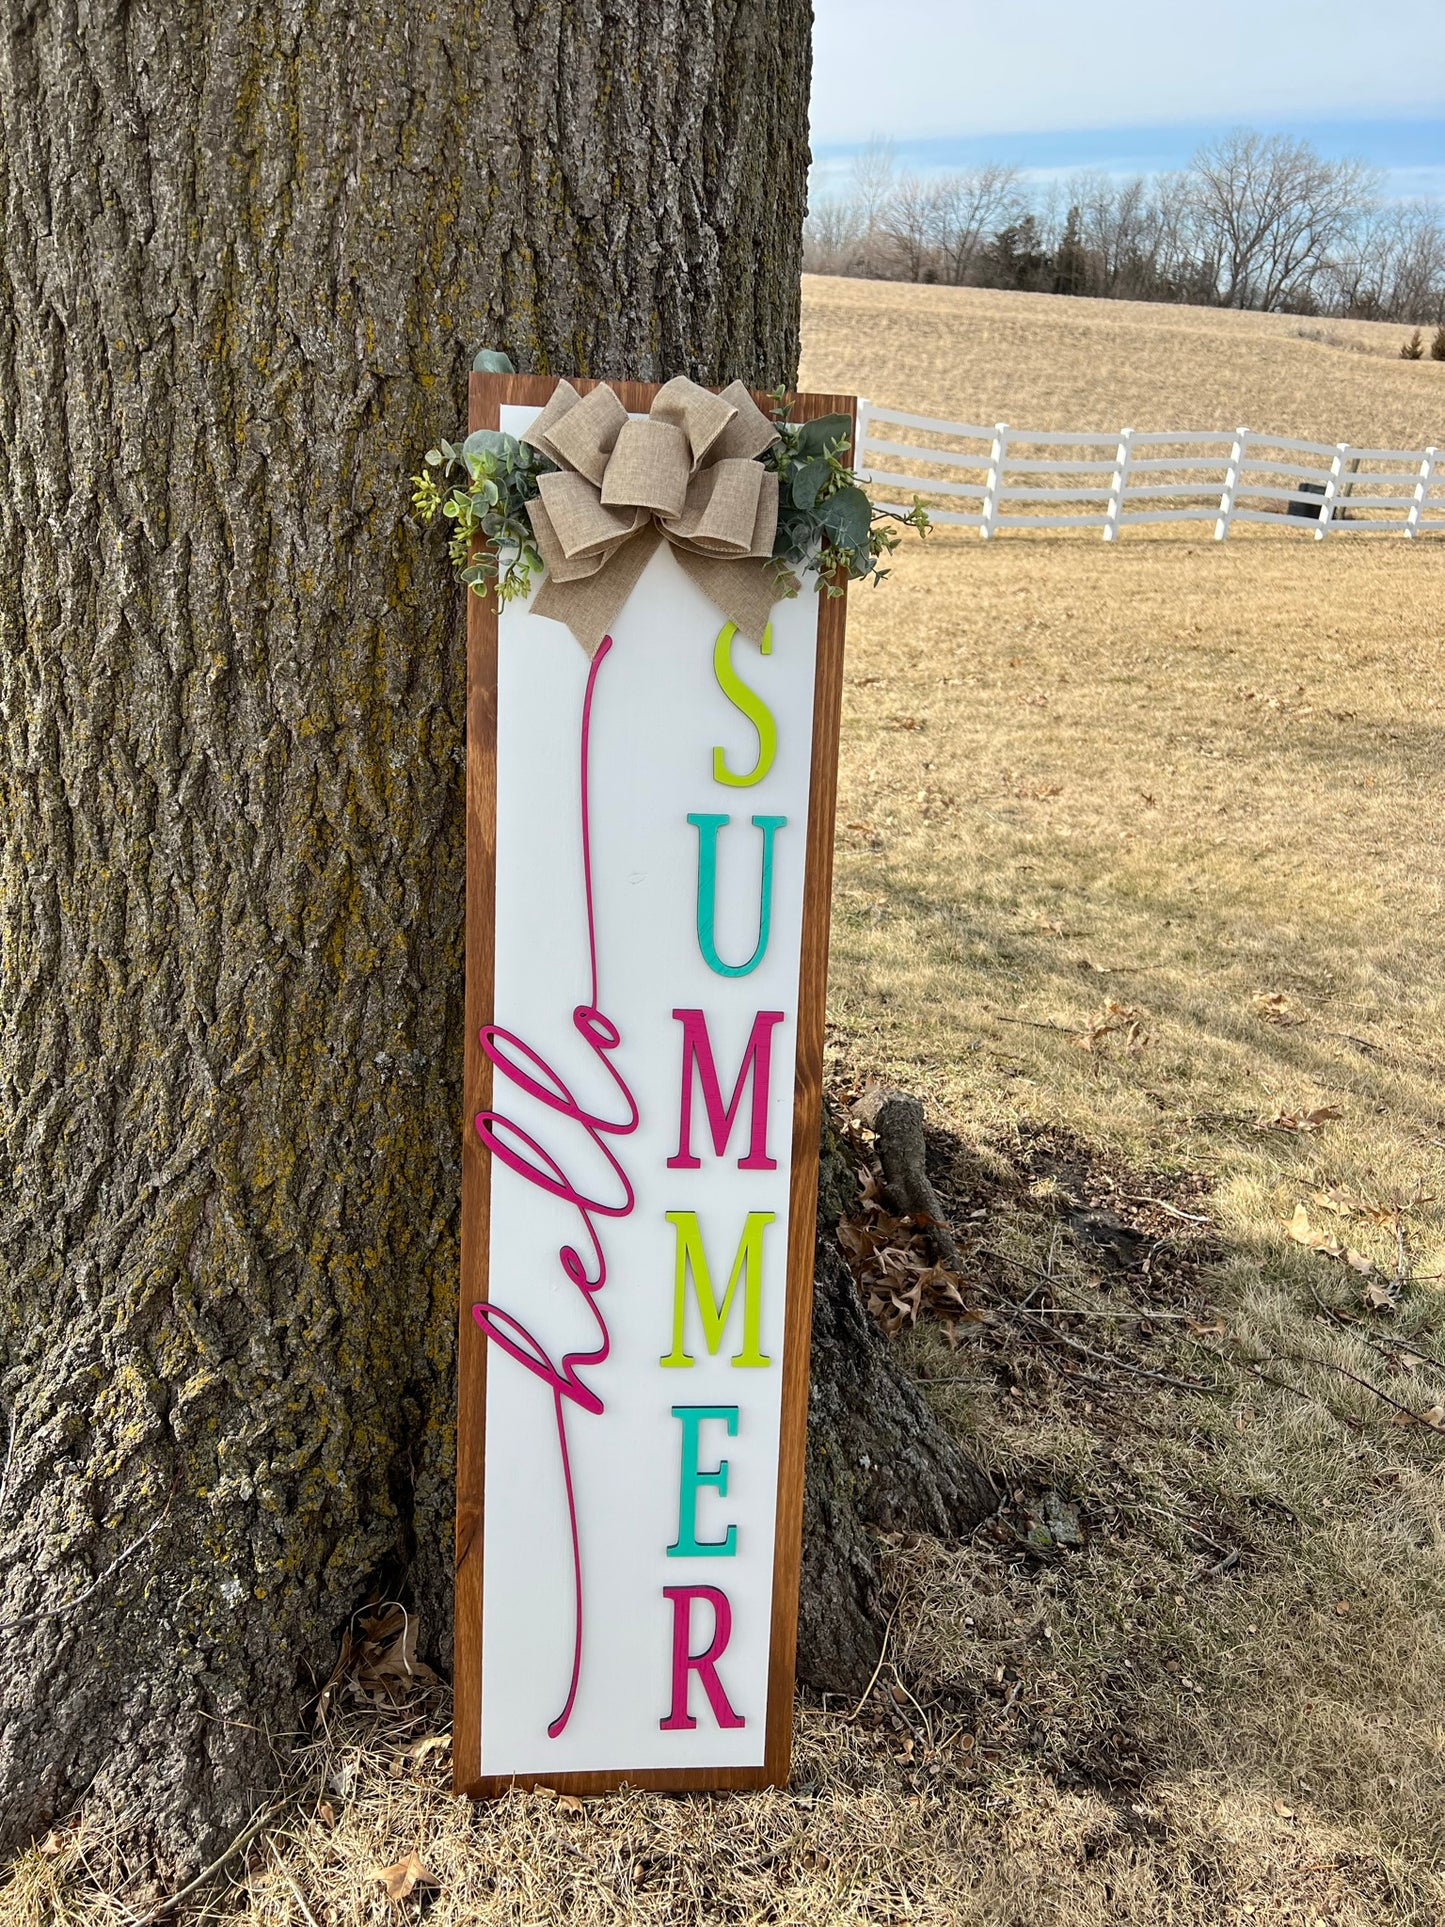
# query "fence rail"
(1246, 475)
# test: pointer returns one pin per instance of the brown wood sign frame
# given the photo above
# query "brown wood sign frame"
(490, 395)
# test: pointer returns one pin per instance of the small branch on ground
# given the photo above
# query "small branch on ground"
(896, 1121)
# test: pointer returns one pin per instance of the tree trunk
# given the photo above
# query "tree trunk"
(878, 1459)
(246, 253)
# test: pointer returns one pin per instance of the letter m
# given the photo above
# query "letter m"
(747, 1271)
(757, 1061)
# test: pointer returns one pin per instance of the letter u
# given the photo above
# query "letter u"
(707, 835)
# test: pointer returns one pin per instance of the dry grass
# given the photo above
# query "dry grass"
(1041, 361)
(1202, 784)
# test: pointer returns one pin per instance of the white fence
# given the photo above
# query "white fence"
(1111, 482)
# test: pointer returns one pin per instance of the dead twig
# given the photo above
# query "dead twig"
(69, 1605)
(243, 1838)
(1121, 1364)
(290, 1880)
(1328, 1365)
(1382, 1341)
(1299, 1391)
(1226, 1564)
(882, 1655)
(9, 1457)
(1134, 1317)
(1162, 1204)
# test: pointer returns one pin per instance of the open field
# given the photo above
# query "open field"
(1045, 361)
(1140, 887)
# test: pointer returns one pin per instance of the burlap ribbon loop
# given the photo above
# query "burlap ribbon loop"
(687, 474)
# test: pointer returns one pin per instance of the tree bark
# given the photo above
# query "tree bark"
(246, 253)
(878, 1458)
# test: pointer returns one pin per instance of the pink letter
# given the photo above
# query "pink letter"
(679, 1720)
(757, 1059)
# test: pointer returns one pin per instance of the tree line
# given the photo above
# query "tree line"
(1255, 221)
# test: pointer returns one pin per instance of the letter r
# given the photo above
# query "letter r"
(704, 1664)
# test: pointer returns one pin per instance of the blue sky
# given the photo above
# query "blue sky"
(1053, 85)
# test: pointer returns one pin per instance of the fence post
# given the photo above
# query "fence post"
(860, 439)
(1417, 500)
(997, 451)
(1231, 483)
(1332, 491)
(1123, 461)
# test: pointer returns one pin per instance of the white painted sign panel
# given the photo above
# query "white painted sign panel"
(626, 1297)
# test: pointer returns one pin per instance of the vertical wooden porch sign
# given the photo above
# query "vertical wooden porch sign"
(649, 859)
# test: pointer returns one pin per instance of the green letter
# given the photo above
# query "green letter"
(750, 703)
(687, 1544)
(747, 1266)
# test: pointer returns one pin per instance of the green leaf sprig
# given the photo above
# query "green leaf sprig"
(491, 543)
(825, 522)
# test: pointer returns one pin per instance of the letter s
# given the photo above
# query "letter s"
(751, 705)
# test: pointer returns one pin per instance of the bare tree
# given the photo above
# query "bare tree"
(1256, 221)
(911, 224)
(833, 236)
(1115, 230)
(1185, 269)
(1364, 266)
(873, 186)
(1412, 278)
(969, 206)
(1271, 211)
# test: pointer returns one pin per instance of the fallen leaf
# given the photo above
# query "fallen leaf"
(1303, 1233)
(1116, 1019)
(1338, 1201)
(1301, 1120)
(1273, 1007)
(1379, 1296)
(389, 1669)
(569, 1803)
(420, 1750)
(403, 1875)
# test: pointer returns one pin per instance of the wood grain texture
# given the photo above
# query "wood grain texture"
(490, 393)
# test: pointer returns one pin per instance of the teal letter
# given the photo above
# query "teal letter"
(688, 1545)
(707, 834)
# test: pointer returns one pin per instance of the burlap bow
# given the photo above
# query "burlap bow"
(688, 474)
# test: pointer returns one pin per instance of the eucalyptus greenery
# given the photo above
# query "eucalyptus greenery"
(825, 521)
(826, 524)
(491, 540)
